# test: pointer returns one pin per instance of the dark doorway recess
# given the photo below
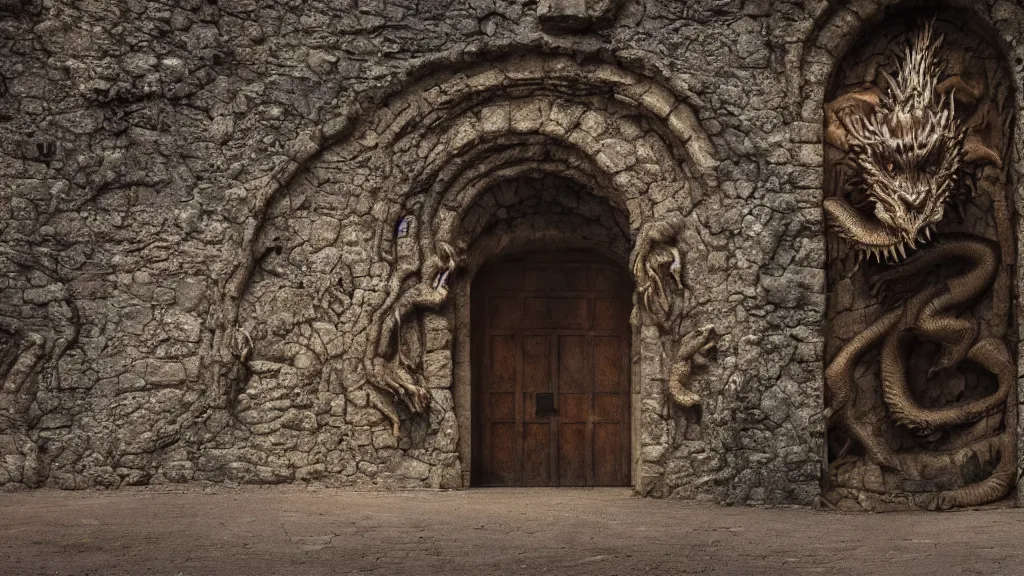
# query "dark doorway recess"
(551, 348)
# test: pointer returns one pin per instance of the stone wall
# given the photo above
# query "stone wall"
(206, 231)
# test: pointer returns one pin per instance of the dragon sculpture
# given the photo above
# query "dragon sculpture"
(657, 249)
(693, 354)
(910, 154)
(413, 287)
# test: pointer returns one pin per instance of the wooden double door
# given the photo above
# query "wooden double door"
(551, 348)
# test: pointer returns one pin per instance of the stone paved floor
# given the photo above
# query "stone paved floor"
(294, 531)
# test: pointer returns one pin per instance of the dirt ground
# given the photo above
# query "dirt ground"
(295, 531)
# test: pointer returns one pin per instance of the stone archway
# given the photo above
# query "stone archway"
(345, 295)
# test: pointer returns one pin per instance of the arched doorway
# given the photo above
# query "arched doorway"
(551, 379)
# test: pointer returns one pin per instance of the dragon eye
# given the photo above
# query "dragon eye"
(889, 166)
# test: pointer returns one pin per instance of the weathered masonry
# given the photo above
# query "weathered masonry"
(745, 251)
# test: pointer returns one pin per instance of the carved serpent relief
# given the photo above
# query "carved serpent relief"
(693, 354)
(422, 267)
(658, 251)
(919, 366)
(656, 248)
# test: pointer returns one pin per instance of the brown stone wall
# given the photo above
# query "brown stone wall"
(202, 237)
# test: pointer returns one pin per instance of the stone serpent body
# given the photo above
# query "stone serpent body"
(932, 315)
(386, 366)
(937, 320)
(692, 354)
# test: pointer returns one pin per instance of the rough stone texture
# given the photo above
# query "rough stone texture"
(201, 199)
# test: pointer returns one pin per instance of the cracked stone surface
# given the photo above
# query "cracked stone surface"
(202, 203)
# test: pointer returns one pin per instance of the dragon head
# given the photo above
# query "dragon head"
(908, 148)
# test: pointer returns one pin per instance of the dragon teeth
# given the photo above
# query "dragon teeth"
(889, 254)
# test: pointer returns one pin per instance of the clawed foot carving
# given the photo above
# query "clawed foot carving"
(693, 353)
(389, 369)
(398, 378)
(400, 381)
(655, 248)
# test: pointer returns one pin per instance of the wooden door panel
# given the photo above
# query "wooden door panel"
(551, 384)
(604, 279)
(572, 454)
(537, 364)
(608, 314)
(572, 364)
(568, 278)
(502, 451)
(555, 313)
(537, 454)
(502, 407)
(607, 407)
(607, 455)
(573, 407)
(504, 313)
(542, 280)
(607, 364)
(503, 360)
